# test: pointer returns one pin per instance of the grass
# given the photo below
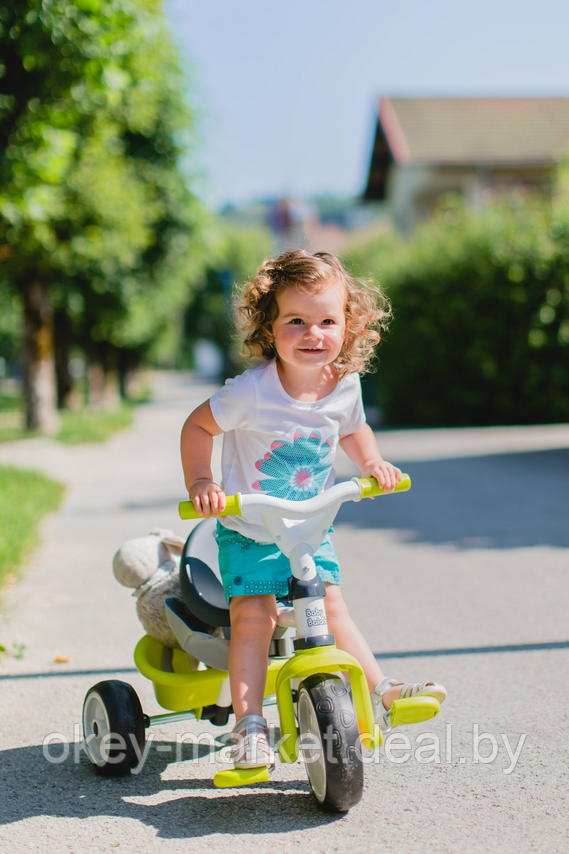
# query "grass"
(11, 403)
(77, 427)
(87, 425)
(9, 434)
(25, 497)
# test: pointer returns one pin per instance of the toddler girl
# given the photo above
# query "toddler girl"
(314, 327)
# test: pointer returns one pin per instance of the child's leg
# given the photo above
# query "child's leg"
(253, 620)
(348, 636)
(350, 639)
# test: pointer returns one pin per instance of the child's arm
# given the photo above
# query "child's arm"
(362, 449)
(196, 445)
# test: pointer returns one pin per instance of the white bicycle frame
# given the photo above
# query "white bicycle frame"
(298, 529)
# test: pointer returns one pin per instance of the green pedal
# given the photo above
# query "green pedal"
(241, 777)
(413, 710)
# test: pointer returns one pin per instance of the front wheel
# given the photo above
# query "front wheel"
(329, 733)
(114, 727)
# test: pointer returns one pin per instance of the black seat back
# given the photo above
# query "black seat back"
(202, 591)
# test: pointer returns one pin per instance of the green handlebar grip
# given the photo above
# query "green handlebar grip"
(232, 508)
(370, 486)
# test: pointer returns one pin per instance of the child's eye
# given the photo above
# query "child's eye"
(296, 320)
(328, 321)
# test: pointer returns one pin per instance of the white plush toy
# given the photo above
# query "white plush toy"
(152, 566)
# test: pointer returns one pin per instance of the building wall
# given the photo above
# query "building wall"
(413, 190)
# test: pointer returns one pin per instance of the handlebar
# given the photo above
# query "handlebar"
(368, 487)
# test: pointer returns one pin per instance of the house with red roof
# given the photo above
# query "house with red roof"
(425, 147)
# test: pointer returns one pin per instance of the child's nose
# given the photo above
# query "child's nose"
(314, 331)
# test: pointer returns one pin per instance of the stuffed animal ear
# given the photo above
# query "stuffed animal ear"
(161, 532)
(136, 561)
(174, 544)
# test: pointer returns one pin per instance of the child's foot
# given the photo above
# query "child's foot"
(252, 749)
(388, 690)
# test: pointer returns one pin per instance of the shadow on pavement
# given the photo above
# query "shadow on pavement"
(501, 501)
(472, 650)
(47, 674)
(404, 653)
(32, 786)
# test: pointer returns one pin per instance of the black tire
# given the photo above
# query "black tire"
(112, 710)
(334, 765)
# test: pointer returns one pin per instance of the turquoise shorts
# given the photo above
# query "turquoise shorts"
(250, 568)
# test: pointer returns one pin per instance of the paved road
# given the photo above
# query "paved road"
(464, 579)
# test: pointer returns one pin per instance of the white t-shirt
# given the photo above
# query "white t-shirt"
(276, 444)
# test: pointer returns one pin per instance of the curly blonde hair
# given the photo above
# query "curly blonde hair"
(367, 308)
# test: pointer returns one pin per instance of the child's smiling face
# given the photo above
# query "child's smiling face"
(310, 327)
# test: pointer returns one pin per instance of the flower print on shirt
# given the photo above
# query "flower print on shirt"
(296, 470)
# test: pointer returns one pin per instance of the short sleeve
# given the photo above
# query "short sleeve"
(354, 409)
(235, 404)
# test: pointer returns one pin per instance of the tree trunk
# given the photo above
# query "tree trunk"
(112, 385)
(62, 340)
(104, 383)
(39, 372)
(126, 363)
(96, 381)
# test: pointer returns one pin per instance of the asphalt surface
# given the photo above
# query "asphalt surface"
(464, 579)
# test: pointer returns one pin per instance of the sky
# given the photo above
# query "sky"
(287, 93)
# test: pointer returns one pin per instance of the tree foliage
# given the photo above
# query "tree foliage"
(92, 200)
(481, 315)
(234, 255)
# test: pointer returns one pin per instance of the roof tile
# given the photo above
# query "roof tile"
(475, 130)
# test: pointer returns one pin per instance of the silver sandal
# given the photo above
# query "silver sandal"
(408, 689)
(251, 748)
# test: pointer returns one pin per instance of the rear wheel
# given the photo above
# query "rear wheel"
(329, 734)
(114, 727)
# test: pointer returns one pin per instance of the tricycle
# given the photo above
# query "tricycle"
(321, 693)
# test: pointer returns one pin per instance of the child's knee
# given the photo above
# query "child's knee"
(336, 608)
(253, 614)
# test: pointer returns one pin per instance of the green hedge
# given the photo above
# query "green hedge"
(481, 316)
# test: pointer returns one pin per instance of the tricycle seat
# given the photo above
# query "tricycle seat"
(200, 582)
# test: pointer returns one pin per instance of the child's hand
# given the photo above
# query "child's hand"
(207, 497)
(386, 474)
